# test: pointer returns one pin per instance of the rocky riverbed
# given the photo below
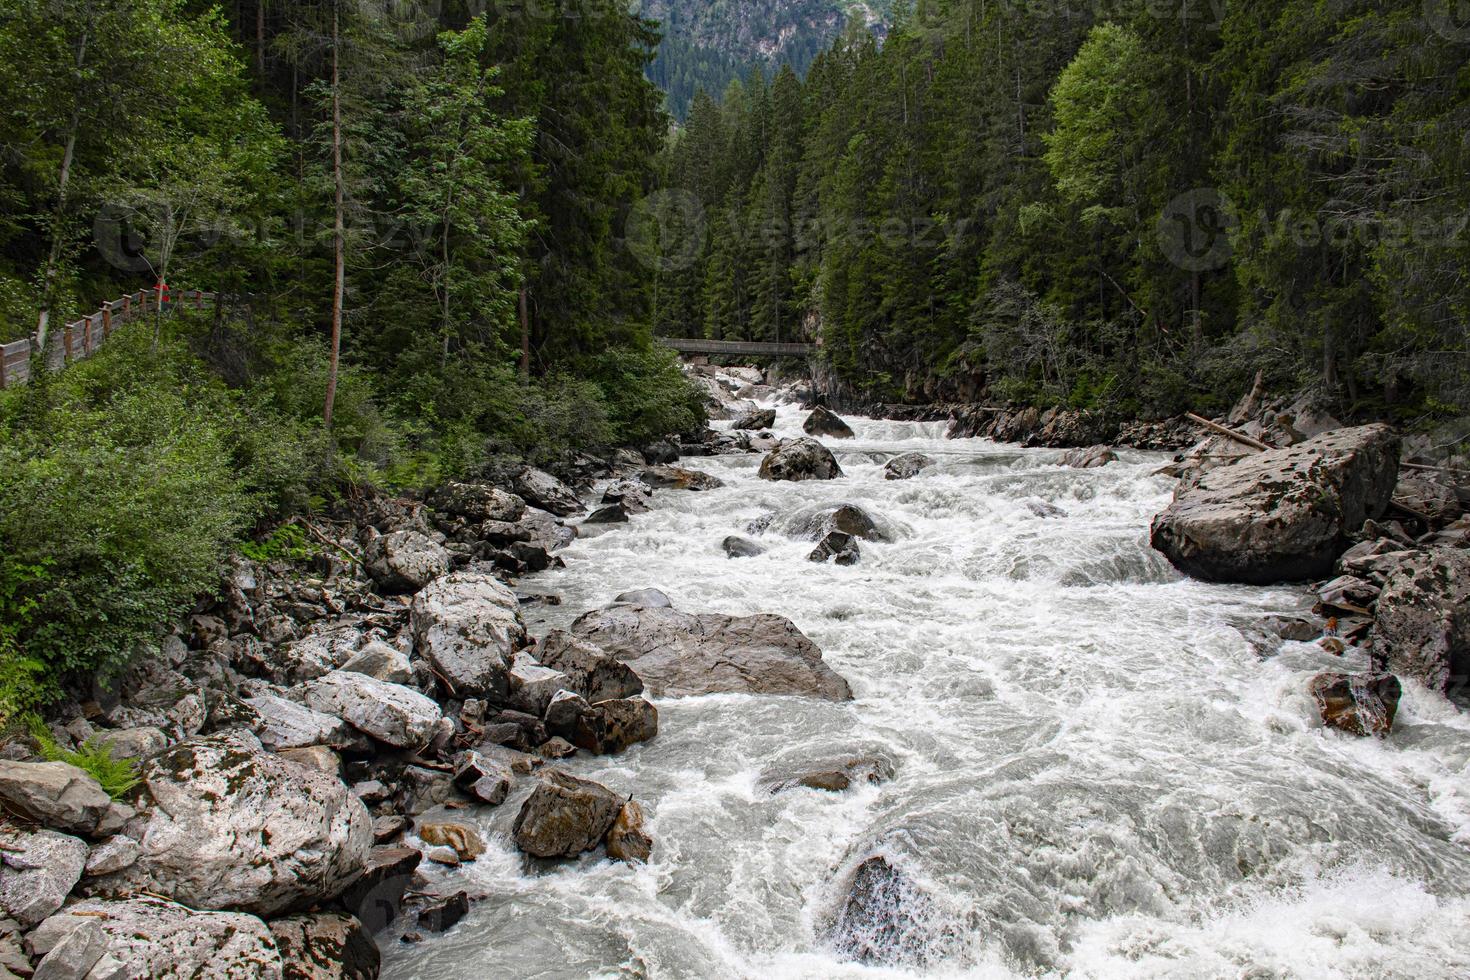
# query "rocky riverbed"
(843, 695)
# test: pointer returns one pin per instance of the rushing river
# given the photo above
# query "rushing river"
(1094, 776)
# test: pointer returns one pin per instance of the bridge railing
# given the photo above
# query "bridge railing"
(698, 345)
(81, 338)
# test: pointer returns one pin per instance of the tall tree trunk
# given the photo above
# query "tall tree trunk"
(337, 228)
(53, 260)
(525, 337)
(260, 41)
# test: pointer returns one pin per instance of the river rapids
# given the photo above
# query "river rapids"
(1094, 773)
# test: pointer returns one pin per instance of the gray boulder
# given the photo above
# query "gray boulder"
(565, 816)
(73, 957)
(1090, 457)
(283, 724)
(832, 776)
(112, 855)
(609, 727)
(325, 946)
(37, 871)
(736, 546)
(55, 794)
(800, 459)
(319, 652)
(1280, 515)
(478, 502)
(485, 777)
(823, 422)
(679, 478)
(405, 561)
(468, 626)
(838, 547)
(231, 826)
(378, 659)
(532, 684)
(153, 939)
(755, 419)
(818, 520)
(391, 713)
(907, 466)
(635, 496)
(540, 489)
(644, 597)
(1422, 618)
(678, 654)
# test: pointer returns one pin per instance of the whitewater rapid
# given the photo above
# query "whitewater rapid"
(1095, 775)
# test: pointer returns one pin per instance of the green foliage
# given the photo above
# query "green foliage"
(118, 777)
(286, 543)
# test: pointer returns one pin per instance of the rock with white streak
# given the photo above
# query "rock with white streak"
(468, 625)
(37, 871)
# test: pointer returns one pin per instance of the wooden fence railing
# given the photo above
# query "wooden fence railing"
(82, 337)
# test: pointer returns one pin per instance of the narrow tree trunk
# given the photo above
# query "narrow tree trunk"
(260, 40)
(525, 337)
(337, 228)
(53, 260)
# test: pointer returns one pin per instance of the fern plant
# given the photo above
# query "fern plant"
(116, 776)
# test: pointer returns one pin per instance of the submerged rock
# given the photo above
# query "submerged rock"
(565, 816)
(823, 422)
(907, 466)
(444, 914)
(882, 917)
(1422, 617)
(736, 546)
(678, 654)
(816, 522)
(755, 419)
(800, 459)
(1089, 458)
(1280, 515)
(838, 547)
(832, 777)
(1360, 704)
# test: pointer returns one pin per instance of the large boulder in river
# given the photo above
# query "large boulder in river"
(756, 418)
(589, 670)
(823, 422)
(1280, 515)
(907, 466)
(679, 478)
(565, 816)
(468, 626)
(231, 826)
(1422, 617)
(800, 459)
(540, 489)
(815, 522)
(678, 654)
(1089, 458)
(405, 561)
(1360, 704)
(152, 939)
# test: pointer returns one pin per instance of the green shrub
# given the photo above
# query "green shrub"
(117, 776)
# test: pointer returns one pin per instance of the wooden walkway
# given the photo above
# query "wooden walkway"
(748, 348)
(82, 337)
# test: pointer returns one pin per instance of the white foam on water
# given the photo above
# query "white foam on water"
(1095, 775)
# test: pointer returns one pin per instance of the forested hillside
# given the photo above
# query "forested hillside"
(1101, 205)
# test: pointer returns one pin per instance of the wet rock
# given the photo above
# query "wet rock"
(635, 496)
(556, 747)
(391, 713)
(817, 521)
(565, 816)
(1280, 515)
(907, 466)
(405, 561)
(420, 789)
(1360, 704)
(823, 422)
(153, 939)
(661, 451)
(531, 728)
(882, 917)
(677, 654)
(678, 478)
(1043, 509)
(478, 502)
(1349, 593)
(1089, 458)
(468, 626)
(540, 489)
(610, 514)
(233, 827)
(283, 724)
(463, 839)
(627, 840)
(563, 713)
(800, 459)
(1422, 618)
(381, 661)
(532, 684)
(112, 855)
(645, 597)
(838, 547)
(832, 777)
(389, 828)
(736, 546)
(37, 871)
(589, 671)
(485, 778)
(325, 946)
(376, 897)
(55, 794)
(609, 727)
(756, 418)
(445, 913)
(73, 957)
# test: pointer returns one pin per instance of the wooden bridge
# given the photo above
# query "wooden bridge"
(81, 338)
(737, 348)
